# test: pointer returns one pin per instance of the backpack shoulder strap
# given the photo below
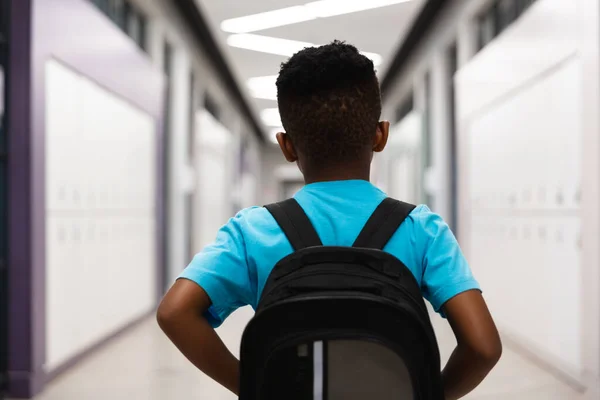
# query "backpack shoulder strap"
(295, 224)
(382, 225)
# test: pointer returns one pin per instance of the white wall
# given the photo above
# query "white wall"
(528, 129)
(521, 117)
(529, 205)
(101, 232)
(100, 210)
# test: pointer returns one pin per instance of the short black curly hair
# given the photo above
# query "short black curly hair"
(329, 102)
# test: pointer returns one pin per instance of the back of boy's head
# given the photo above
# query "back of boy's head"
(329, 103)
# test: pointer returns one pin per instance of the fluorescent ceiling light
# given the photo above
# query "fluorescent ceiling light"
(330, 8)
(266, 20)
(278, 46)
(296, 14)
(264, 94)
(270, 117)
(267, 44)
(263, 87)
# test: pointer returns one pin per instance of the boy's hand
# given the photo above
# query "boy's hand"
(180, 316)
(478, 344)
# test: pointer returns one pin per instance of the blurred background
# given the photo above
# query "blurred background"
(133, 129)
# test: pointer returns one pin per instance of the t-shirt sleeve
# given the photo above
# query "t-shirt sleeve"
(222, 271)
(446, 272)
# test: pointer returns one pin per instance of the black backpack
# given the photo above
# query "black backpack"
(340, 323)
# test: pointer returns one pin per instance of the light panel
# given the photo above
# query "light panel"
(266, 20)
(279, 46)
(270, 117)
(331, 8)
(303, 13)
(263, 87)
(267, 44)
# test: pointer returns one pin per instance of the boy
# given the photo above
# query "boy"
(330, 104)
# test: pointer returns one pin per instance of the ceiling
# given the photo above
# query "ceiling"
(379, 30)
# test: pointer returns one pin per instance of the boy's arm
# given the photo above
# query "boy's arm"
(478, 344)
(180, 316)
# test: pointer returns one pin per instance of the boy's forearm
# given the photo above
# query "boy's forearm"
(200, 344)
(464, 371)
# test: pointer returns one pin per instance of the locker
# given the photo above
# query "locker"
(101, 173)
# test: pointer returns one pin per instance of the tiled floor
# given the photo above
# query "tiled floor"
(144, 365)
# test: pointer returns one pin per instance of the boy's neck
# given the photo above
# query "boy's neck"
(335, 174)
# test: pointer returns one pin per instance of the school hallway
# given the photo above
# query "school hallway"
(143, 364)
(132, 131)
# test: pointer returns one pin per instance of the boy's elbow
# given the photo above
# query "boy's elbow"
(490, 353)
(167, 316)
(181, 306)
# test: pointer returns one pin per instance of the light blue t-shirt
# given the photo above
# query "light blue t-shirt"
(234, 269)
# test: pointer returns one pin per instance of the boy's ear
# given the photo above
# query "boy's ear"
(381, 136)
(287, 147)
